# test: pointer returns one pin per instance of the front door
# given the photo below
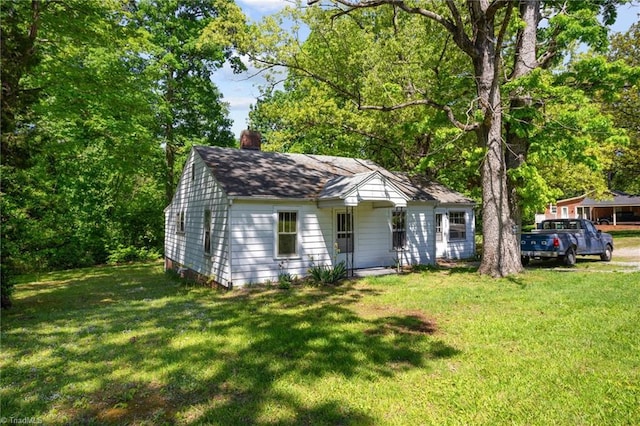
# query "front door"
(344, 237)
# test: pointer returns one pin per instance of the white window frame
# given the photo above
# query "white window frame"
(463, 215)
(553, 209)
(439, 233)
(296, 233)
(181, 218)
(348, 232)
(564, 212)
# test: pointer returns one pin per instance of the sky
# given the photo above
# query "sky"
(240, 91)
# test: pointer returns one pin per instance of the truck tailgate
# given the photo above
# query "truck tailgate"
(537, 242)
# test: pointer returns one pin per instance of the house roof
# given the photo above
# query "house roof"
(260, 174)
(619, 199)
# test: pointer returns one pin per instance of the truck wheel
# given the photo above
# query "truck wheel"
(606, 255)
(570, 257)
(525, 260)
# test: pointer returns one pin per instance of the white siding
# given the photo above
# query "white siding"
(253, 240)
(456, 249)
(243, 232)
(373, 245)
(420, 249)
(377, 190)
(194, 195)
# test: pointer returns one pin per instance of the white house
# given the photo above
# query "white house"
(243, 216)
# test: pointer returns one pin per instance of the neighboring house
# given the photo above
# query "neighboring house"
(243, 216)
(617, 208)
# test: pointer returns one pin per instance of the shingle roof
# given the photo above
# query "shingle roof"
(262, 174)
(619, 199)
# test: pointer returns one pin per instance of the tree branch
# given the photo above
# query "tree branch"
(428, 102)
(337, 88)
(456, 29)
(502, 32)
(496, 5)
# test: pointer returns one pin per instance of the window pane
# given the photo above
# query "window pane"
(206, 227)
(207, 242)
(287, 233)
(344, 233)
(398, 228)
(286, 244)
(457, 226)
(345, 244)
(438, 227)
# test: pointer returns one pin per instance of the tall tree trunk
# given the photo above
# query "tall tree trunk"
(501, 248)
(169, 137)
(517, 141)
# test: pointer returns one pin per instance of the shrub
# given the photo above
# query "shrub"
(326, 274)
(124, 254)
(284, 280)
(6, 287)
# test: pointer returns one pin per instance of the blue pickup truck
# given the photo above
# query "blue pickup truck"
(564, 239)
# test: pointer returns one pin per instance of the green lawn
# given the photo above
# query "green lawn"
(130, 345)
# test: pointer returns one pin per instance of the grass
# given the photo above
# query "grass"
(131, 345)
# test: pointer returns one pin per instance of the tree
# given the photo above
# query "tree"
(623, 173)
(42, 41)
(507, 46)
(312, 117)
(189, 106)
(75, 144)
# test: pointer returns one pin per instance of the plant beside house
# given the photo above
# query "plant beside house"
(327, 274)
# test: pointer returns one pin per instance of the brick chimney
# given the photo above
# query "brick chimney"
(250, 140)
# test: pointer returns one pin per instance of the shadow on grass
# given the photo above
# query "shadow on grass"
(550, 264)
(128, 344)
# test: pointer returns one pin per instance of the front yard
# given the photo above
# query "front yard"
(130, 345)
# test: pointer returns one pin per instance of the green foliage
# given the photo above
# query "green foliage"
(188, 107)
(84, 106)
(533, 190)
(327, 274)
(395, 58)
(625, 162)
(330, 116)
(6, 287)
(129, 254)
(285, 279)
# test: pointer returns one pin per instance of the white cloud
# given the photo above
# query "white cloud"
(239, 102)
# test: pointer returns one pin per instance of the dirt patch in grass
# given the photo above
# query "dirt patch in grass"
(128, 403)
(387, 320)
(409, 324)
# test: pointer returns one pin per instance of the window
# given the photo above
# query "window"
(584, 213)
(565, 213)
(457, 226)
(398, 229)
(438, 227)
(207, 231)
(344, 232)
(180, 222)
(193, 171)
(553, 209)
(287, 233)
